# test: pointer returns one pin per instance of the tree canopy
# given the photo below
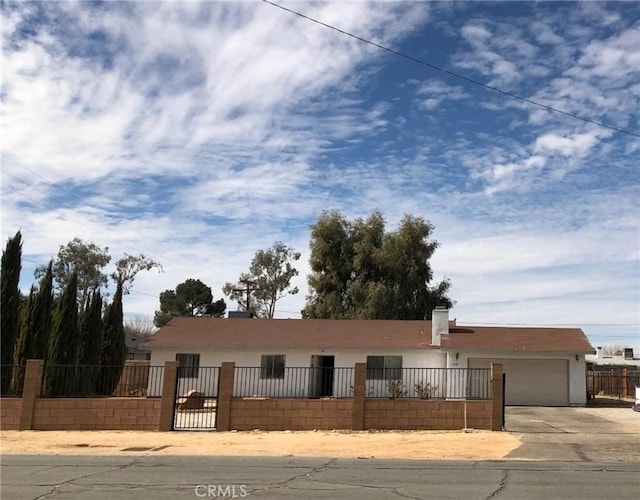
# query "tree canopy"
(87, 260)
(360, 271)
(268, 280)
(190, 298)
(9, 304)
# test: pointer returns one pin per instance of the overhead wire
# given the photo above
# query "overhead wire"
(454, 74)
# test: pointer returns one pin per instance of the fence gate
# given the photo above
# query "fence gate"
(196, 398)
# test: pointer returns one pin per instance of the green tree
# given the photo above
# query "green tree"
(114, 349)
(24, 344)
(191, 298)
(63, 343)
(268, 280)
(9, 306)
(129, 266)
(86, 260)
(91, 333)
(360, 271)
(37, 321)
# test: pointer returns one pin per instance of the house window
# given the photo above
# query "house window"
(272, 366)
(189, 365)
(384, 367)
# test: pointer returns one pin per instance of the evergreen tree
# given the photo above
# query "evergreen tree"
(63, 344)
(9, 307)
(114, 349)
(23, 346)
(358, 270)
(90, 344)
(36, 322)
(43, 317)
(25, 339)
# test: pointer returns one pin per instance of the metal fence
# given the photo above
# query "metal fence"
(196, 398)
(73, 381)
(612, 383)
(393, 383)
(13, 377)
(293, 382)
(429, 383)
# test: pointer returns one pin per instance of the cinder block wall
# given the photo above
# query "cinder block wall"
(136, 414)
(290, 414)
(425, 415)
(10, 411)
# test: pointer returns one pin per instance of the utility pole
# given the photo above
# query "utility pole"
(249, 287)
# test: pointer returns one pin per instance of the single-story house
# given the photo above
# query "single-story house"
(543, 366)
(600, 362)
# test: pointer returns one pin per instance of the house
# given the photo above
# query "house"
(543, 366)
(627, 360)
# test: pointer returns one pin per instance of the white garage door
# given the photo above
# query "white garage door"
(536, 382)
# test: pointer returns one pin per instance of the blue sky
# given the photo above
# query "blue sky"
(200, 132)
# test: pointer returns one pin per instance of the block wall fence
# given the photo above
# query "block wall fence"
(157, 414)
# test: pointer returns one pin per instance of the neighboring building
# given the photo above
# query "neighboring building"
(600, 362)
(135, 348)
(543, 366)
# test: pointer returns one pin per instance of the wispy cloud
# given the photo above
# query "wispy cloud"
(200, 132)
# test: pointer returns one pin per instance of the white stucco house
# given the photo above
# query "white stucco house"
(543, 366)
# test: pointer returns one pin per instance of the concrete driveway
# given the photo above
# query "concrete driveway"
(583, 434)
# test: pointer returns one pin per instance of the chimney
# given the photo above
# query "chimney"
(599, 352)
(628, 353)
(439, 324)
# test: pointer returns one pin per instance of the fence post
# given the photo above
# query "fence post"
(225, 395)
(30, 392)
(359, 393)
(625, 385)
(497, 391)
(169, 386)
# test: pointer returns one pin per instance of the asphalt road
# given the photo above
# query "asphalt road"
(171, 477)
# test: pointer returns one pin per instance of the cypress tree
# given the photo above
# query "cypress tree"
(114, 349)
(43, 317)
(63, 343)
(90, 343)
(9, 307)
(23, 346)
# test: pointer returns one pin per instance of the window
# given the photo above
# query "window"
(272, 366)
(189, 365)
(384, 367)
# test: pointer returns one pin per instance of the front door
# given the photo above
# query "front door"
(321, 376)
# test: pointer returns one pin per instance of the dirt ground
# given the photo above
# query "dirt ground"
(418, 445)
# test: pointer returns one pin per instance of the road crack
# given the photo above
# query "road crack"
(71, 481)
(501, 485)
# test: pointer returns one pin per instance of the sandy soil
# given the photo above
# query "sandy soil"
(442, 445)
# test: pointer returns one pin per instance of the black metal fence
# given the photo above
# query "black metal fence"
(293, 382)
(393, 383)
(74, 381)
(15, 375)
(430, 383)
(196, 398)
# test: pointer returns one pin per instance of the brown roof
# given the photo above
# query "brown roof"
(516, 339)
(224, 333)
(221, 333)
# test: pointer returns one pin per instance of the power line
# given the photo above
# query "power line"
(455, 75)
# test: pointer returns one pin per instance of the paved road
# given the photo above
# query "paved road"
(166, 477)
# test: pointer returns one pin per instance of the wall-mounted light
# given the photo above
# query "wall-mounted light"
(457, 355)
(577, 358)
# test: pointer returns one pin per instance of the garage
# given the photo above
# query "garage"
(534, 382)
